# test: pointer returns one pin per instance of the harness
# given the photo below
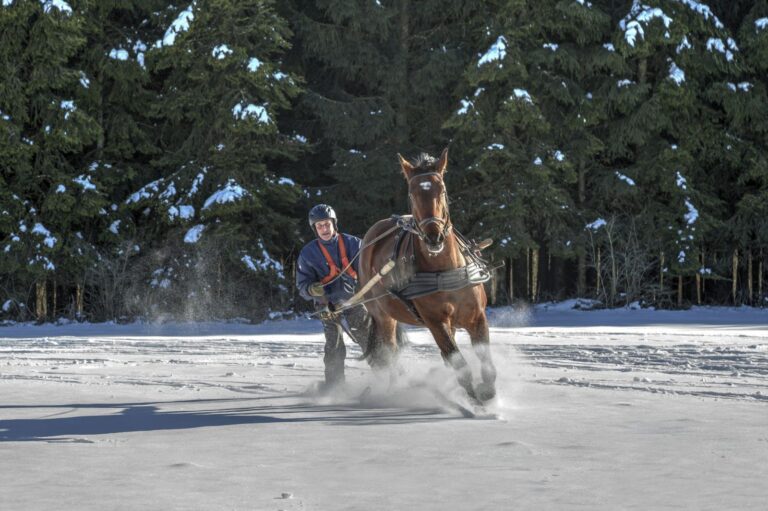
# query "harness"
(408, 284)
(334, 270)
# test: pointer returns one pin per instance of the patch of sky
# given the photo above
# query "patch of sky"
(231, 192)
(258, 112)
(193, 235)
(497, 51)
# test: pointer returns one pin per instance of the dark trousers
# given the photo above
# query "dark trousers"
(358, 323)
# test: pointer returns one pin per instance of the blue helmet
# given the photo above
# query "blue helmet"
(321, 212)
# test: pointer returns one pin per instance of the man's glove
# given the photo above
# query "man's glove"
(316, 289)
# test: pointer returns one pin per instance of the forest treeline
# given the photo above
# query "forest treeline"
(158, 158)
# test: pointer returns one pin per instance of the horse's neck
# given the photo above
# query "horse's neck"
(450, 258)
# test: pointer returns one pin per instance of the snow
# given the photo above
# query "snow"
(684, 45)
(193, 235)
(628, 180)
(702, 10)
(538, 161)
(114, 228)
(522, 94)
(60, 5)
(231, 192)
(597, 224)
(465, 106)
(84, 181)
(716, 44)
(609, 47)
(243, 111)
(497, 51)
(639, 15)
(179, 25)
(254, 64)
(39, 229)
(146, 192)
(551, 46)
(118, 54)
(676, 74)
(599, 410)
(692, 215)
(624, 83)
(761, 24)
(221, 51)
(181, 211)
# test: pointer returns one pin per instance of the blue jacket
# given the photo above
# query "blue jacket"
(312, 267)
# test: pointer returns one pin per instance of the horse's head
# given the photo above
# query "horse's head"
(429, 199)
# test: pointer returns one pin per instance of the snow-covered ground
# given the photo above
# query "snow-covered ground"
(600, 410)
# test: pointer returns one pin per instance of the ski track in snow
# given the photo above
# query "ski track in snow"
(677, 363)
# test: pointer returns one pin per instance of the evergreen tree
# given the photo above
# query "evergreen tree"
(380, 76)
(219, 208)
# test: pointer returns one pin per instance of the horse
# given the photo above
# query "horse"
(438, 264)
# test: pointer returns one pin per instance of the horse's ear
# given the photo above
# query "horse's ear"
(442, 163)
(405, 166)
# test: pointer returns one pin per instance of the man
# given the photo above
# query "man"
(325, 275)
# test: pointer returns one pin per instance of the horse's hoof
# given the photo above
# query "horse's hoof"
(485, 392)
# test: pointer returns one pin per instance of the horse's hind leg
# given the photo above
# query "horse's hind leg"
(384, 349)
(480, 336)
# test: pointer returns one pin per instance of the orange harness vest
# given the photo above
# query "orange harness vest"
(334, 270)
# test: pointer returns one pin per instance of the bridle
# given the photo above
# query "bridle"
(444, 222)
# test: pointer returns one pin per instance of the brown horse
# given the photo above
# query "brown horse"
(429, 251)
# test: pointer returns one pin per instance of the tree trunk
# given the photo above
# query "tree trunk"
(494, 284)
(597, 270)
(534, 275)
(528, 274)
(510, 281)
(760, 298)
(642, 70)
(679, 290)
(661, 272)
(41, 301)
(698, 288)
(749, 278)
(79, 301)
(735, 273)
(53, 306)
(581, 264)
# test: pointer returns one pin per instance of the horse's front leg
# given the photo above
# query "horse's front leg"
(443, 335)
(480, 336)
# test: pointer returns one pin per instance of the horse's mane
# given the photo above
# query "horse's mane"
(424, 162)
